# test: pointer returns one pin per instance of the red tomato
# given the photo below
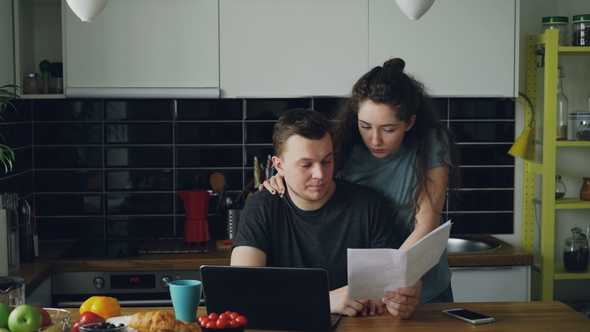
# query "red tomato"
(234, 315)
(224, 316)
(201, 318)
(222, 323)
(213, 316)
(211, 324)
(233, 324)
(90, 317)
(228, 312)
(241, 320)
(87, 318)
(204, 321)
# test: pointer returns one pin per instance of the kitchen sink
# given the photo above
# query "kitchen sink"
(470, 245)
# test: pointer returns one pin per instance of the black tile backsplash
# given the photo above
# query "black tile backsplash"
(139, 180)
(212, 110)
(64, 181)
(67, 157)
(113, 167)
(140, 110)
(209, 133)
(139, 156)
(68, 133)
(139, 133)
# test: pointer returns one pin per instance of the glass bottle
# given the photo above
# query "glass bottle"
(562, 107)
(559, 187)
(575, 252)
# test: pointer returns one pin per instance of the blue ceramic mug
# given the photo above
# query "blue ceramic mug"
(185, 295)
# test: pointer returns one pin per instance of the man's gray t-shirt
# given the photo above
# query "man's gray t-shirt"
(355, 217)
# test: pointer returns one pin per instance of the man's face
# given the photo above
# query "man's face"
(307, 166)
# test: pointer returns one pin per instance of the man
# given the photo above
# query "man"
(319, 218)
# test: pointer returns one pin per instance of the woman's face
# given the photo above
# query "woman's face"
(380, 129)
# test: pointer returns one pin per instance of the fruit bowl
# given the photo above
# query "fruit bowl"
(102, 327)
(60, 319)
(229, 329)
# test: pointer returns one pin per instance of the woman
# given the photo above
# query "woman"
(387, 136)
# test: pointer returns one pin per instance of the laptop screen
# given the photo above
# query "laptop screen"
(270, 298)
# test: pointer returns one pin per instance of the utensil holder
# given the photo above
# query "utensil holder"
(233, 219)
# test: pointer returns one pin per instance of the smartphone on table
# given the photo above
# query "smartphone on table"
(468, 316)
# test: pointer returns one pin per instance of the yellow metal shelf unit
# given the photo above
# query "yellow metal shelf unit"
(548, 268)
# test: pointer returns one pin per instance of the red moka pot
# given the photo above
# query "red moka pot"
(196, 207)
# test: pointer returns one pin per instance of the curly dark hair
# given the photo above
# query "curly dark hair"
(390, 85)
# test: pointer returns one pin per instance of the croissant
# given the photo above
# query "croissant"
(159, 321)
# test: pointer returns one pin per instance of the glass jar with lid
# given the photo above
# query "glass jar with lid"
(575, 252)
(557, 23)
(581, 30)
(30, 83)
(583, 131)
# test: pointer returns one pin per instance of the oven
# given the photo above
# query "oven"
(130, 288)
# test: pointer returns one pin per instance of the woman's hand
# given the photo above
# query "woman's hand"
(401, 303)
(274, 184)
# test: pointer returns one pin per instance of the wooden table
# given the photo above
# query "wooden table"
(510, 316)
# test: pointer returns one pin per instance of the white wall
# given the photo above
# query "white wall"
(6, 43)
(576, 87)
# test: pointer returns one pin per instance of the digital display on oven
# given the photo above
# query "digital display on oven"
(133, 281)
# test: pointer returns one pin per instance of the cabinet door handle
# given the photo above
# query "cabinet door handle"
(481, 268)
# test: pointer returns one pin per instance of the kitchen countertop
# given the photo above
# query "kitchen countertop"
(509, 316)
(49, 262)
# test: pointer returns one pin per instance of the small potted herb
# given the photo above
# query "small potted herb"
(7, 93)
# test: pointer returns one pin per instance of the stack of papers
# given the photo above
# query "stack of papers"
(373, 271)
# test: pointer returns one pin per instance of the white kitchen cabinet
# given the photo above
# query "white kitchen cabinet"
(292, 48)
(458, 48)
(145, 44)
(491, 284)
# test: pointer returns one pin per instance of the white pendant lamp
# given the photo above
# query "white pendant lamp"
(414, 9)
(86, 10)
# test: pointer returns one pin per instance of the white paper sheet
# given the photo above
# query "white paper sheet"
(373, 271)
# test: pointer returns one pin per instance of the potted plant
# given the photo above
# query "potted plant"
(7, 92)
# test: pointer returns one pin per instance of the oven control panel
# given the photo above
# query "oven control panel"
(113, 282)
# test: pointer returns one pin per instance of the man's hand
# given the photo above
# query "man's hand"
(403, 302)
(341, 304)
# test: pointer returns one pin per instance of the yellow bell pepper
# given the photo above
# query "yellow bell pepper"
(104, 306)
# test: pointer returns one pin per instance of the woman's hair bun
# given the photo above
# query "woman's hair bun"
(396, 64)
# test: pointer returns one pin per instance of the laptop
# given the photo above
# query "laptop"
(271, 298)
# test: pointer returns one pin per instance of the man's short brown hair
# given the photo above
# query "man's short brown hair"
(306, 123)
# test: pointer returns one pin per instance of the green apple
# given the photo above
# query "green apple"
(5, 310)
(24, 318)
